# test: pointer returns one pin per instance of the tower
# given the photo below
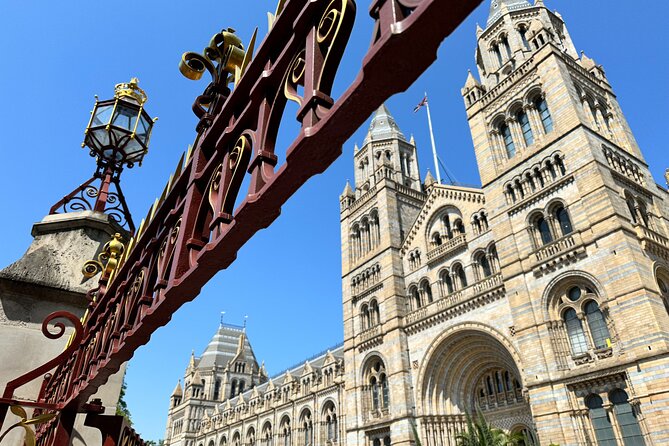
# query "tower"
(374, 219)
(581, 230)
(226, 368)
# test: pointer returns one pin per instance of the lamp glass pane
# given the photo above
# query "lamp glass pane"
(133, 150)
(97, 138)
(125, 117)
(143, 129)
(102, 115)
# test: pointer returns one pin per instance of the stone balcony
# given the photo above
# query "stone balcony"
(560, 252)
(370, 333)
(653, 241)
(448, 248)
(445, 307)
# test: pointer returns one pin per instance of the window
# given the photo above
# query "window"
(284, 429)
(374, 318)
(663, 284)
(364, 317)
(378, 393)
(524, 122)
(544, 230)
(544, 114)
(505, 131)
(507, 47)
(563, 220)
(427, 291)
(414, 298)
(459, 272)
(446, 283)
(598, 329)
(498, 54)
(523, 36)
(579, 345)
(600, 421)
(627, 421)
(217, 389)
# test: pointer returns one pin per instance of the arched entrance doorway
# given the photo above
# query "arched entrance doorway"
(468, 371)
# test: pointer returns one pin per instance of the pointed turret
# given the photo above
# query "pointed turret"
(429, 179)
(348, 191)
(383, 126)
(499, 7)
(178, 391)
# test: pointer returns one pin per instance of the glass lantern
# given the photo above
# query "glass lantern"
(119, 129)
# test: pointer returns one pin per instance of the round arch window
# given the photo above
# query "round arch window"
(574, 293)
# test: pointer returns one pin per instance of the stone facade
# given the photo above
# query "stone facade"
(48, 278)
(540, 300)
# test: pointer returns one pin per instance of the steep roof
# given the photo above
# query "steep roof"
(383, 126)
(497, 8)
(224, 346)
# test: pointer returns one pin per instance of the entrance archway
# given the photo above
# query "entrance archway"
(471, 370)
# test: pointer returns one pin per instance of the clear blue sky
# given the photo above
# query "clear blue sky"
(57, 55)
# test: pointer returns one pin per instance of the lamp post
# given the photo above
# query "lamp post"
(118, 136)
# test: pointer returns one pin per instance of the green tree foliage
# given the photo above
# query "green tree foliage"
(122, 406)
(480, 433)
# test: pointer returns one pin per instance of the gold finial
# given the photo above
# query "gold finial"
(131, 90)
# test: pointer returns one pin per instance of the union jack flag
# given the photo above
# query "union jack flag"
(422, 103)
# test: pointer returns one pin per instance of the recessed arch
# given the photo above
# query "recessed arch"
(455, 361)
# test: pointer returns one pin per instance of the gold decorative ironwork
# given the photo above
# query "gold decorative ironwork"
(131, 90)
(225, 50)
(107, 260)
(26, 422)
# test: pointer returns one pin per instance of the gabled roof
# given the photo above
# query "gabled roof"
(456, 193)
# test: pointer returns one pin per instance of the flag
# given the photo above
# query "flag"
(422, 103)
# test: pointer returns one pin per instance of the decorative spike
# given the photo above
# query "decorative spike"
(140, 231)
(180, 165)
(239, 71)
(270, 21)
(189, 153)
(279, 7)
(128, 249)
(154, 208)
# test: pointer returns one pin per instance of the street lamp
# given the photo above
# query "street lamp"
(117, 135)
(119, 130)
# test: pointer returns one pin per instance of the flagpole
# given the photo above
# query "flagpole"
(434, 147)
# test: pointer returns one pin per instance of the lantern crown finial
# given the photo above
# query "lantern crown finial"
(131, 90)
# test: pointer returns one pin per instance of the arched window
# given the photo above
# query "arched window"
(522, 30)
(266, 438)
(598, 329)
(510, 193)
(627, 421)
(233, 388)
(377, 385)
(600, 420)
(631, 206)
(436, 239)
(427, 291)
(524, 122)
(284, 429)
(331, 429)
(374, 318)
(414, 297)
(507, 47)
(505, 131)
(251, 437)
(544, 230)
(217, 389)
(364, 317)
(544, 113)
(498, 54)
(494, 257)
(497, 388)
(307, 428)
(577, 340)
(459, 273)
(562, 217)
(446, 283)
(484, 265)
